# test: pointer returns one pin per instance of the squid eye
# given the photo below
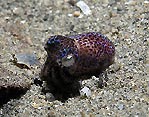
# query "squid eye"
(68, 60)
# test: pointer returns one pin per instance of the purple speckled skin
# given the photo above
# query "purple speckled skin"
(77, 57)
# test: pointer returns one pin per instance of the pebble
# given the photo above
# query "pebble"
(17, 11)
(131, 2)
(76, 14)
(146, 2)
(120, 106)
(85, 91)
(50, 97)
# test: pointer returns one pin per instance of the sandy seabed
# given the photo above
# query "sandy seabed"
(26, 25)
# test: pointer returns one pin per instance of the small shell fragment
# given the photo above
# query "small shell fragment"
(84, 7)
(25, 60)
